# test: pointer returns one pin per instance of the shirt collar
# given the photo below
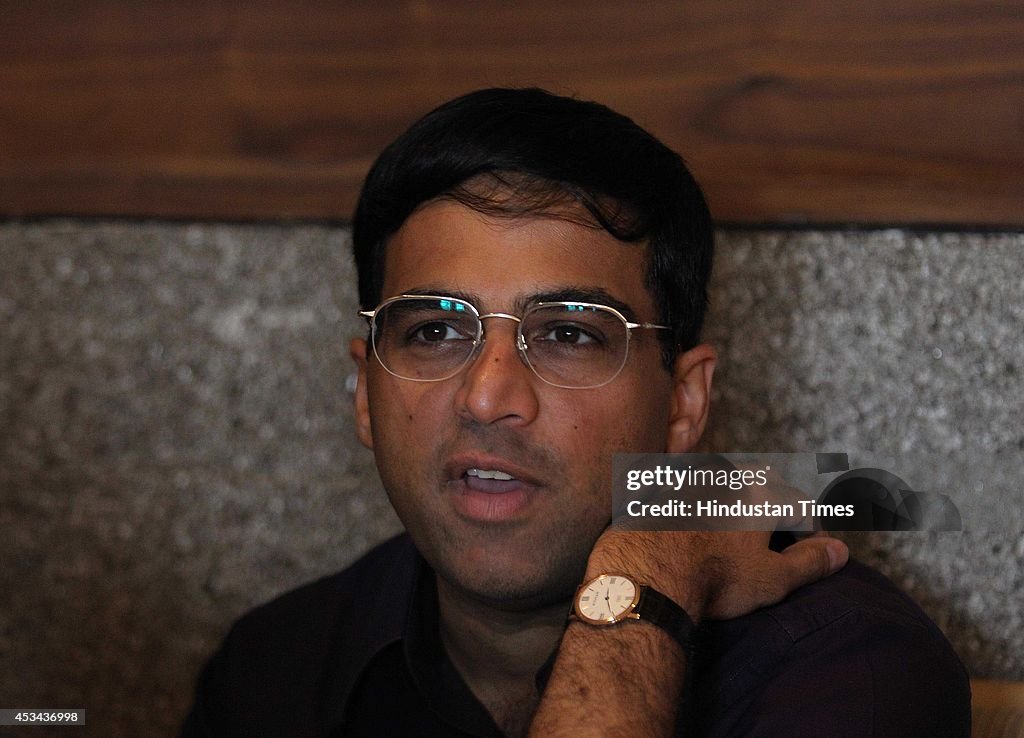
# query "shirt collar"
(385, 603)
(432, 671)
(401, 605)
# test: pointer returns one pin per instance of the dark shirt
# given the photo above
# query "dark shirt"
(359, 654)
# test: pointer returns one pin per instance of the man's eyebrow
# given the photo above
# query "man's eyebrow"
(597, 295)
(470, 297)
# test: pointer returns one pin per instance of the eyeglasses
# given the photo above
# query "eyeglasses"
(430, 338)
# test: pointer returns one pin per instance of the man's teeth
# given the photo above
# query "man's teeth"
(489, 474)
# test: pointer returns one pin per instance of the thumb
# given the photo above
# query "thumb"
(812, 559)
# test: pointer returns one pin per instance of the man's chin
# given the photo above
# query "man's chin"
(511, 595)
(513, 583)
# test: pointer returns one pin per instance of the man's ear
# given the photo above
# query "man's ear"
(357, 350)
(691, 396)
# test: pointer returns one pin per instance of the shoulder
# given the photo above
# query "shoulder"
(326, 604)
(848, 655)
(855, 592)
(294, 657)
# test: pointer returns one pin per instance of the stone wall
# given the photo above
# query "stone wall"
(175, 442)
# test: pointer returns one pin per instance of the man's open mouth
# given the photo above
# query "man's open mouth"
(489, 488)
(489, 474)
(491, 481)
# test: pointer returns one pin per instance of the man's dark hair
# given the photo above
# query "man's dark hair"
(512, 152)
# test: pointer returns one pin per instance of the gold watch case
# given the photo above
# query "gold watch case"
(587, 602)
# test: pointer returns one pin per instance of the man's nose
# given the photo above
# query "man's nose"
(498, 386)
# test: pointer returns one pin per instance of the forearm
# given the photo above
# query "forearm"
(623, 680)
(628, 678)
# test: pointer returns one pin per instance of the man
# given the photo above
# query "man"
(533, 270)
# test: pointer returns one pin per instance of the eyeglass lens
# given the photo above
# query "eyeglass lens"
(569, 345)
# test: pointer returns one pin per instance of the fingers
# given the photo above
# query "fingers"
(812, 559)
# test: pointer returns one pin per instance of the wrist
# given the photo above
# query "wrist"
(656, 561)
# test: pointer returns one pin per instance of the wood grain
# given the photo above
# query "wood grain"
(803, 111)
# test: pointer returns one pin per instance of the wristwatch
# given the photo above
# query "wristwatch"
(615, 598)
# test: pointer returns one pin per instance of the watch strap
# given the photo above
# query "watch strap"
(657, 609)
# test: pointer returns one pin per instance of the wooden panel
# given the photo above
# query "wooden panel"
(815, 111)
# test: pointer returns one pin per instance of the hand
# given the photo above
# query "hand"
(717, 575)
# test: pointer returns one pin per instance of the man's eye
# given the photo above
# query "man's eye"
(435, 332)
(568, 333)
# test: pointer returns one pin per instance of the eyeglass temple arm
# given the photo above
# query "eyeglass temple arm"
(648, 325)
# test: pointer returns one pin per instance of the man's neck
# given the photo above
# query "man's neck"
(499, 653)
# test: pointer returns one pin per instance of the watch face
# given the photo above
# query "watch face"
(607, 599)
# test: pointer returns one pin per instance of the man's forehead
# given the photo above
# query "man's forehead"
(448, 247)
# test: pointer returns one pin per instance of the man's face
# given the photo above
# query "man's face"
(519, 543)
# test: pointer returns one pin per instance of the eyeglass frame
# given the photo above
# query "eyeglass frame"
(521, 346)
